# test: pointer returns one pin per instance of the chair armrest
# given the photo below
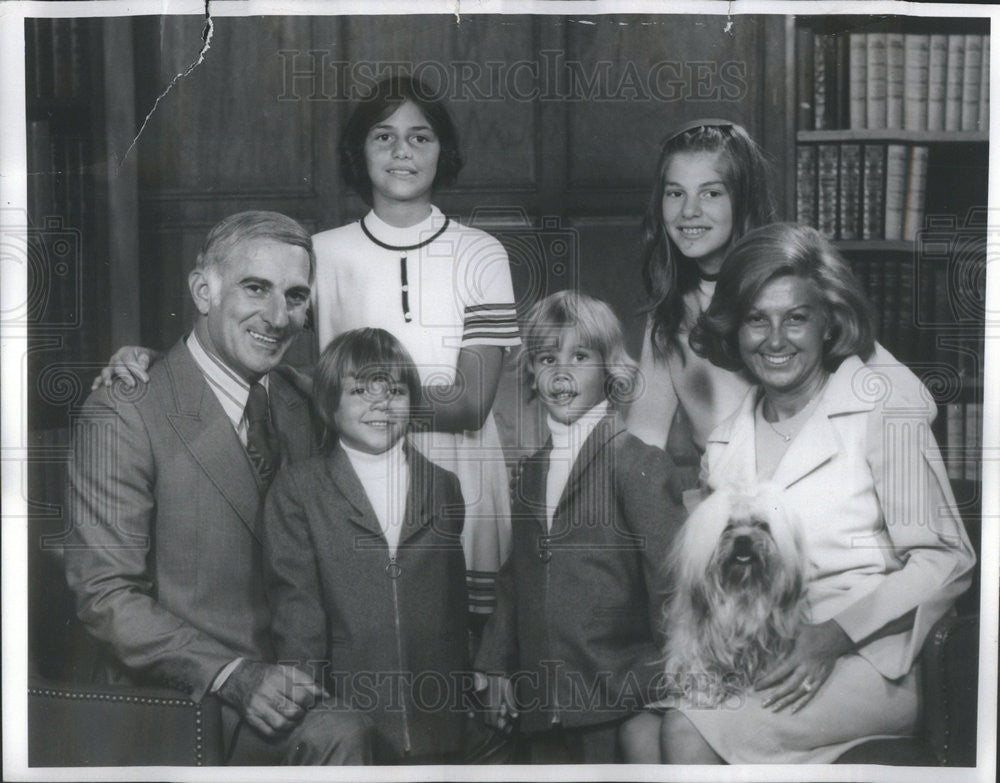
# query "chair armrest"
(950, 670)
(118, 725)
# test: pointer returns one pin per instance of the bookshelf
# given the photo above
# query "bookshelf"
(894, 135)
(888, 131)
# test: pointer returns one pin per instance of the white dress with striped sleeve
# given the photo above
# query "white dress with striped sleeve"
(459, 294)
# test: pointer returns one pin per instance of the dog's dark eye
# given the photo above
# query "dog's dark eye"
(764, 526)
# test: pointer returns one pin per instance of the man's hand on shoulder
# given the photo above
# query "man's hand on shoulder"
(272, 698)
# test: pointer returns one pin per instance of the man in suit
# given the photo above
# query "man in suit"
(166, 481)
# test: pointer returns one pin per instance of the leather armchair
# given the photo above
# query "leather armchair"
(116, 725)
(950, 703)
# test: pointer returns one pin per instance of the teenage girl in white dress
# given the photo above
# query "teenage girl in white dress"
(442, 289)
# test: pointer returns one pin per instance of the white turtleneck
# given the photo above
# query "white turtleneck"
(567, 440)
(386, 479)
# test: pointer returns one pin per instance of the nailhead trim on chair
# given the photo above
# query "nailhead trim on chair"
(199, 750)
(941, 639)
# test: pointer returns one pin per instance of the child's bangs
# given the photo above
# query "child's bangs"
(377, 362)
(550, 328)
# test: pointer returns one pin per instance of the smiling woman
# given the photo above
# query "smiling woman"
(781, 343)
(861, 478)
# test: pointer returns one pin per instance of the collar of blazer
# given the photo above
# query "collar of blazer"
(203, 427)
(853, 388)
(608, 428)
(419, 494)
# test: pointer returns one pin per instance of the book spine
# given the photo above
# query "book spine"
(954, 439)
(876, 80)
(943, 315)
(953, 92)
(973, 439)
(916, 190)
(873, 284)
(805, 185)
(842, 79)
(970, 82)
(859, 80)
(895, 72)
(826, 190)
(889, 306)
(916, 64)
(859, 266)
(895, 190)
(850, 191)
(873, 196)
(805, 84)
(907, 337)
(937, 82)
(925, 303)
(820, 121)
(984, 86)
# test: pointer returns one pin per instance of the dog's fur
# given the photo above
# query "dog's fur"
(739, 571)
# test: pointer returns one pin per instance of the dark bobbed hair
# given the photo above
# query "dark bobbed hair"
(364, 353)
(231, 232)
(387, 96)
(780, 250)
(668, 274)
(597, 327)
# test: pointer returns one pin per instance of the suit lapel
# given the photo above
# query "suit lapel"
(815, 444)
(606, 429)
(531, 485)
(817, 441)
(737, 454)
(347, 483)
(207, 433)
(292, 420)
(420, 497)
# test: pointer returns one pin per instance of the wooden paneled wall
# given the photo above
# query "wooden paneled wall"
(560, 119)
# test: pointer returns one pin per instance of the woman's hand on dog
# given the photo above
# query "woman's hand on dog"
(499, 702)
(795, 681)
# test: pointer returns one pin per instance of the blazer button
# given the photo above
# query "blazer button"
(393, 570)
(545, 555)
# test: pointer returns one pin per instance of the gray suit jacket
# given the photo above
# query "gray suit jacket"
(392, 631)
(580, 606)
(164, 552)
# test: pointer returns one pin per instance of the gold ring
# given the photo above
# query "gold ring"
(807, 686)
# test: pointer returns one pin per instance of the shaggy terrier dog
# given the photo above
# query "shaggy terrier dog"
(739, 572)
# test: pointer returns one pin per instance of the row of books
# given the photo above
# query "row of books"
(963, 440)
(855, 191)
(925, 307)
(911, 81)
(56, 52)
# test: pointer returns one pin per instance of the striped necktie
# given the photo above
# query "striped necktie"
(262, 443)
